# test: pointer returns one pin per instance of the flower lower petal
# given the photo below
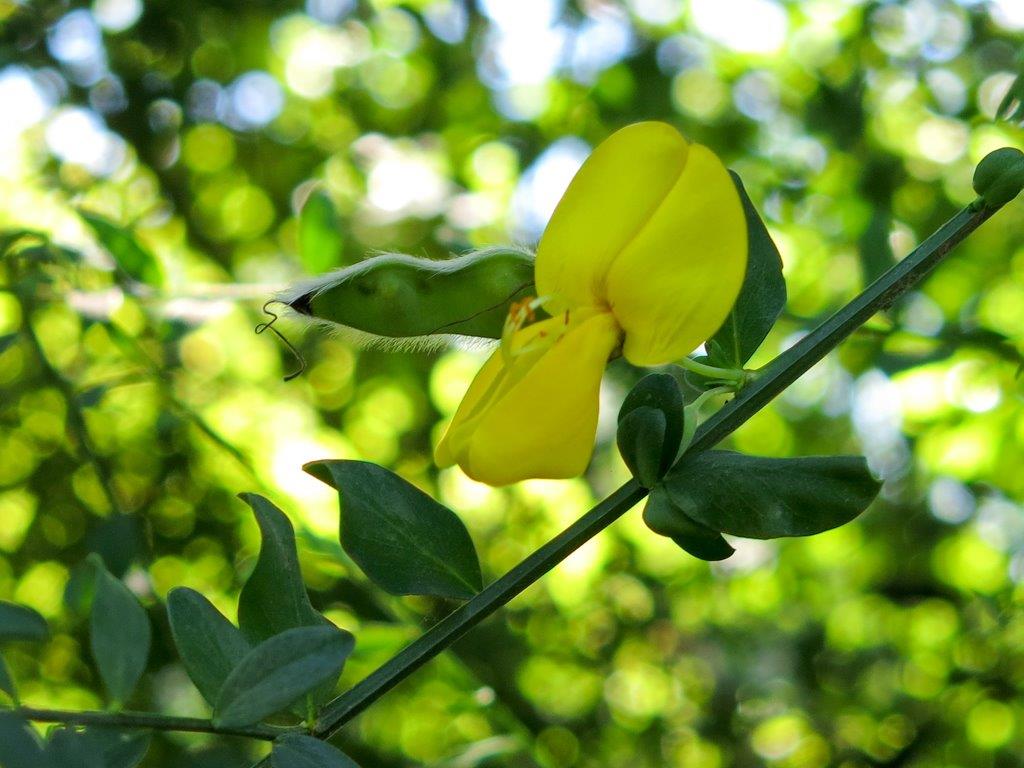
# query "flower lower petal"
(610, 199)
(544, 424)
(675, 283)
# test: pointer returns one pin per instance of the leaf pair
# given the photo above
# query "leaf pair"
(94, 747)
(283, 650)
(718, 492)
(119, 632)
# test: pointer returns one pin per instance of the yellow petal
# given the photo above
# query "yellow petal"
(490, 382)
(676, 281)
(612, 196)
(543, 419)
(451, 445)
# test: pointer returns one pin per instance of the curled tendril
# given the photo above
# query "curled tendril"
(269, 326)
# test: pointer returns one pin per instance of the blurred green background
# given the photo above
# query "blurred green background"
(131, 416)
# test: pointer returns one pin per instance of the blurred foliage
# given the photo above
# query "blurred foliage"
(130, 416)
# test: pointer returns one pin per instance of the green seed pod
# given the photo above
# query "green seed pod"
(999, 177)
(398, 301)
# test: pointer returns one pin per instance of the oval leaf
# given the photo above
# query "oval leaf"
(210, 646)
(119, 635)
(762, 498)
(19, 622)
(762, 296)
(279, 671)
(117, 749)
(407, 543)
(294, 750)
(68, 748)
(136, 262)
(19, 745)
(663, 517)
(274, 598)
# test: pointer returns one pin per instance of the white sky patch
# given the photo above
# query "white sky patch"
(117, 15)
(447, 19)
(255, 99)
(543, 185)
(402, 179)
(314, 58)
(330, 11)
(599, 43)
(79, 136)
(1008, 14)
(77, 42)
(25, 103)
(523, 16)
(747, 26)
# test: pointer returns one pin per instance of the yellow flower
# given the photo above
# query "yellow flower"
(646, 253)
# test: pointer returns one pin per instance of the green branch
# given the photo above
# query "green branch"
(773, 380)
(149, 721)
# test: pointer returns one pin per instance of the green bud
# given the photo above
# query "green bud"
(663, 517)
(999, 177)
(649, 444)
(395, 296)
(641, 441)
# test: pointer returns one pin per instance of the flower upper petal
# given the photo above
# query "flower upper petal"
(543, 420)
(676, 281)
(612, 196)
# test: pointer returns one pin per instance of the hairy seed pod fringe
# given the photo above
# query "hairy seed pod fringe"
(402, 302)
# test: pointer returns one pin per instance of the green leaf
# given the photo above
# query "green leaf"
(119, 635)
(762, 296)
(68, 748)
(665, 518)
(320, 240)
(136, 262)
(119, 749)
(7, 682)
(19, 745)
(96, 747)
(641, 441)
(407, 543)
(294, 750)
(274, 598)
(19, 622)
(210, 646)
(279, 671)
(762, 498)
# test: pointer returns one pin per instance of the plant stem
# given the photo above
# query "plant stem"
(149, 721)
(774, 378)
(710, 371)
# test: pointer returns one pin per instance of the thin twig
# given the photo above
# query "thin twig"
(149, 721)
